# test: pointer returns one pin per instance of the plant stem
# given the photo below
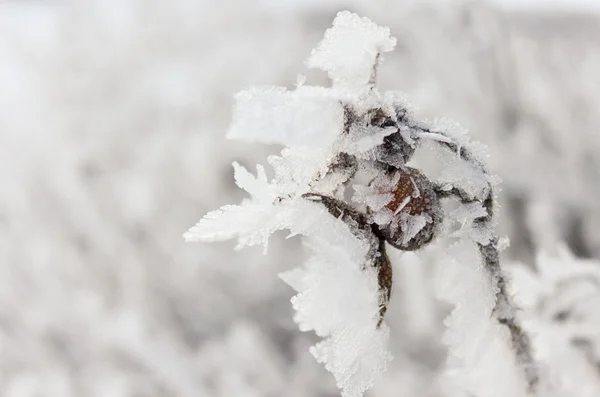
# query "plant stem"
(504, 309)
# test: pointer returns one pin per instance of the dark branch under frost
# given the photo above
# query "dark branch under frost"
(504, 310)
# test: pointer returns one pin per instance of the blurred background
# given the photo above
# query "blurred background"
(112, 122)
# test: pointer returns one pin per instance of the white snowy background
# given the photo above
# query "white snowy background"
(112, 122)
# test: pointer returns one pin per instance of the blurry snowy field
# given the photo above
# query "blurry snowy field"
(112, 122)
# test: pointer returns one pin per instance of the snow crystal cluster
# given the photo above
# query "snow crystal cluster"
(332, 138)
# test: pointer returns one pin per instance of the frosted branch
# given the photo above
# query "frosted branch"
(504, 310)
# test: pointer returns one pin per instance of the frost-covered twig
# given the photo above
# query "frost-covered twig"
(329, 134)
(505, 310)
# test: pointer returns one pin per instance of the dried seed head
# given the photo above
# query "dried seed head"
(416, 209)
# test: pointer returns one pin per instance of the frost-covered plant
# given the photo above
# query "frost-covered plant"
(351, 134)
(560, 300)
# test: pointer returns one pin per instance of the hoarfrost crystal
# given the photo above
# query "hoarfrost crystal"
(350, 49)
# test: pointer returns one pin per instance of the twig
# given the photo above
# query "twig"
(504, 310)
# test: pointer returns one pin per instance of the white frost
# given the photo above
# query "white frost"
(411, 225)
(371, 197)
(480, 359)
(350, 49)
(466, 176)
(361, 140)
(466, 214)
(339, 301)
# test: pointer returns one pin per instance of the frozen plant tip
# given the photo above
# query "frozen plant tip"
(329, 135)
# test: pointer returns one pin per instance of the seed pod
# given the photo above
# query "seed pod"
(414, 214)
